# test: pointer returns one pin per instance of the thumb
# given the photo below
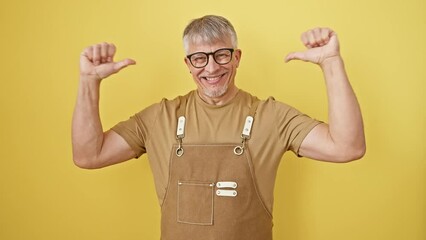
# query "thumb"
(123, 63)
(295, 56)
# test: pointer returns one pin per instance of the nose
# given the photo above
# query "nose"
(211, 66)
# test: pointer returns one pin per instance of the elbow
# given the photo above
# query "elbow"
(84, 159)
(84, 163)
(360, 152)
(352, 153)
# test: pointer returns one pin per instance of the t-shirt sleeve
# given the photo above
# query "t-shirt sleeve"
(135, 130)
(293, 126)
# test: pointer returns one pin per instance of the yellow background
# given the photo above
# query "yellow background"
(44, 196)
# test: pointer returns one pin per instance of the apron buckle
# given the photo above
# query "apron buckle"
(238, 150)
(179, 150)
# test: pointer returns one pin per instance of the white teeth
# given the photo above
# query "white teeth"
(212, 78)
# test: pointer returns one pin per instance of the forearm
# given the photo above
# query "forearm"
(87, 132)
(345, 120)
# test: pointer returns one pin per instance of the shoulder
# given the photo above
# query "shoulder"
(271, 105)
(266, 106)
(247, 99)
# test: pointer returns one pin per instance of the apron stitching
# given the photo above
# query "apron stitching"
(253, 177)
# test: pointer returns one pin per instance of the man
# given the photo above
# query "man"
(214, 152)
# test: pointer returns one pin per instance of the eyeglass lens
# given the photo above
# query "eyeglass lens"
(221, 56)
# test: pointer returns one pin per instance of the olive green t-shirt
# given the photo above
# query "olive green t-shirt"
(277, 128)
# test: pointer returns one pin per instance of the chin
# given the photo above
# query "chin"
(216, 93)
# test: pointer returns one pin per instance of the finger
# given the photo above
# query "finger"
(305, 40)
(295, 56)
(87, 53)
(317, 37)
(111, 52)
(124, 63)
(311, 39)
(97, 54)
(104, 52)
(325, 34)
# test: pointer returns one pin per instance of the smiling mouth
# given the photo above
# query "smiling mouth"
(214, 79)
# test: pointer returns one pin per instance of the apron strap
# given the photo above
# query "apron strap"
(182, 106)
(255, 103)
(180, 129)
(248, 124)
(250, 119)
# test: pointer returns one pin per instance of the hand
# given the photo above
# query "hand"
(322, 44)
(97, 61)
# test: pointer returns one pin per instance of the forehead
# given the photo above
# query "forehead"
(200, 45)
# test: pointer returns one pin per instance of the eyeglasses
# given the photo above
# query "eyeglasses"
(201, 59)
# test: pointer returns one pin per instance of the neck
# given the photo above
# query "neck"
(221, 100)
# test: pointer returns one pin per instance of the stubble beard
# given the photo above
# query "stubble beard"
(217, 92)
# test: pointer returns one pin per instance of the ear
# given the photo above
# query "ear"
(188, 64)
(237, 56)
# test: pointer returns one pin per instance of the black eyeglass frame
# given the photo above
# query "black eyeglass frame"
(208, 56)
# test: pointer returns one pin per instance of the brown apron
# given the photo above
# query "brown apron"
(212, 192)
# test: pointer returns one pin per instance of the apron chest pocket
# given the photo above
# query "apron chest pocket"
(195, 202)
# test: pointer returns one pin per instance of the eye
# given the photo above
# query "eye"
(198, 58)
(223, 56)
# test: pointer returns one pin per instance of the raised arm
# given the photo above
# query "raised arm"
(342, 139)
(92, 148)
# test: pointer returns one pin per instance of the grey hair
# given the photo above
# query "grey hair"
(209, 29)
